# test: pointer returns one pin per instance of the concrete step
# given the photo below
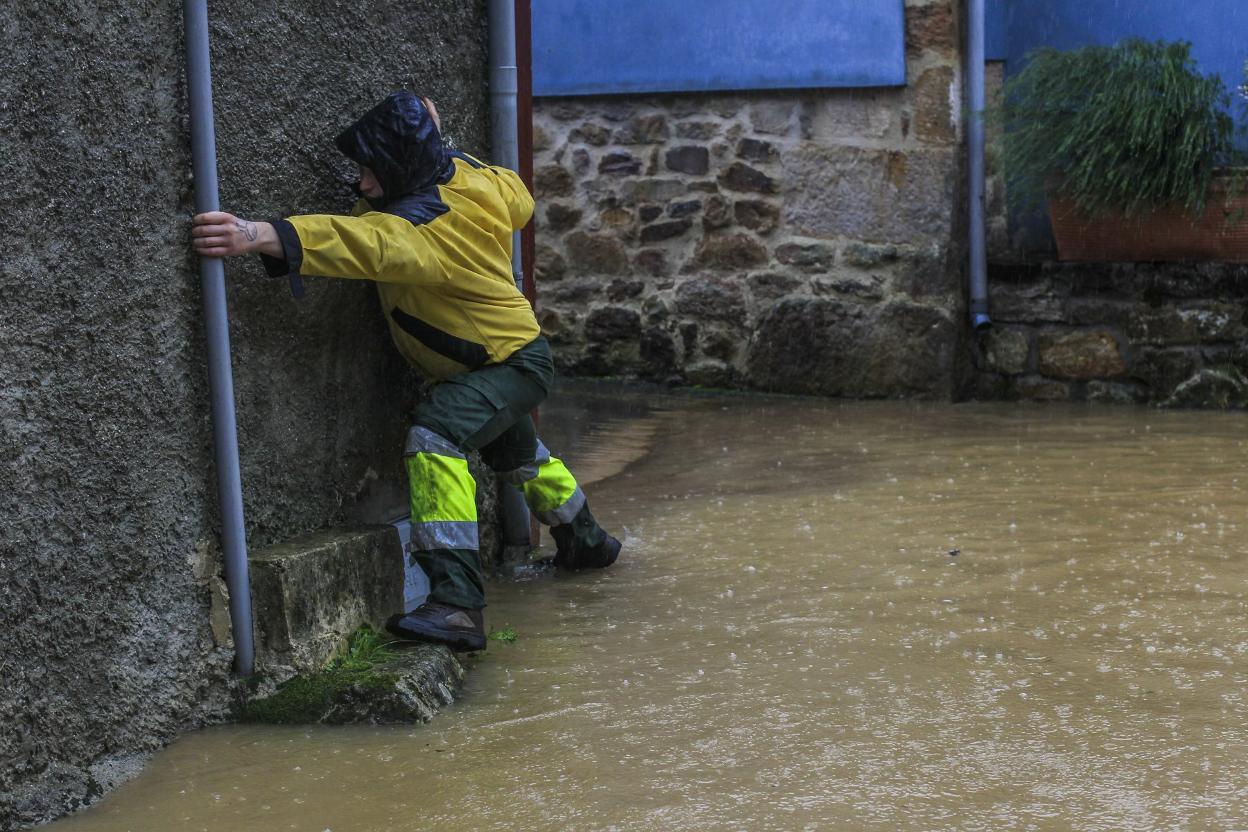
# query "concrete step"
(410, 685)
(311, 593)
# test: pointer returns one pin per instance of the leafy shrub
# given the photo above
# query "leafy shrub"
(1124, 129)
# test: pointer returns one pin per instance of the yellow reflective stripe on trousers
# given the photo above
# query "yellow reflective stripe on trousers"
(553, 494)
(444, 502)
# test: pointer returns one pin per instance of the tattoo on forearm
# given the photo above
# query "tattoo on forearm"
(247, 227)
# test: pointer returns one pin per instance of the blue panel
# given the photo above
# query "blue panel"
(582, 47)
(1215, 27)
(996, 45)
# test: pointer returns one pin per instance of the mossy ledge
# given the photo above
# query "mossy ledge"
(372, 682)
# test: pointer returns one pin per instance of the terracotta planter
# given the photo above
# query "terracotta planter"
(1221, 233)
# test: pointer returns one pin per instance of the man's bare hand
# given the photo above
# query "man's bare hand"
(220, 234)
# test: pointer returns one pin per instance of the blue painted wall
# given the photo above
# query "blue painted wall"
(582, 47)
(1218, 29)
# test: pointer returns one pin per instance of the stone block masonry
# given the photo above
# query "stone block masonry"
(1117, 332)
(797, 241)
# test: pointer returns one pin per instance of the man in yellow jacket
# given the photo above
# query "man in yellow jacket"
(434, 231)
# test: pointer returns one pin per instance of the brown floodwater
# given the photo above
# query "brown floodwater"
(828, 615)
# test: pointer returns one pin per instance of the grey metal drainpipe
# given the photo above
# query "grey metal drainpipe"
(217, 326)
(975, 142)
(505, 149)
(504, 89)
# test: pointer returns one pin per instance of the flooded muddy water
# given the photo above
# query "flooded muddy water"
(827, 616)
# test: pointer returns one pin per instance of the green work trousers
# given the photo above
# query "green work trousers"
(486, 410)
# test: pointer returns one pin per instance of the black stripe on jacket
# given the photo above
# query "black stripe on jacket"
(469, 353)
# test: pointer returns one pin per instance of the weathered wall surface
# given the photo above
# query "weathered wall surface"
(801, 241)
(108, 546)
(1117, 332)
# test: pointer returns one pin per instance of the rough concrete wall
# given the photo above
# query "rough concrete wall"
(109, 539)
(802, 241)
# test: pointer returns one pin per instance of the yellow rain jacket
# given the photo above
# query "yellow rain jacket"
(439, 251)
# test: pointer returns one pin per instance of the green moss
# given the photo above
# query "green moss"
(306, 699)
(379, 681)
(300, 700)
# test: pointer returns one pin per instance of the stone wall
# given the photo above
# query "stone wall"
(800, 241)
(1127, 332)
(108, 547)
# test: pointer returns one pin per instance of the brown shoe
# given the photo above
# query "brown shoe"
(458, 628)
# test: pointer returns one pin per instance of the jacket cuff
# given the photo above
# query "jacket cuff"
(291, 260)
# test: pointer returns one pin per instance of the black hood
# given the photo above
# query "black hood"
(398, 140)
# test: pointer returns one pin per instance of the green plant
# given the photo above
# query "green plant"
(1125, 129)
(506, 634)
(365, 648)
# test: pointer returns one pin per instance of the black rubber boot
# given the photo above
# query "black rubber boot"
(582, 544)
(458, 628)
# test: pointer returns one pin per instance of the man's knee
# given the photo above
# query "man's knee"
(515, 449)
